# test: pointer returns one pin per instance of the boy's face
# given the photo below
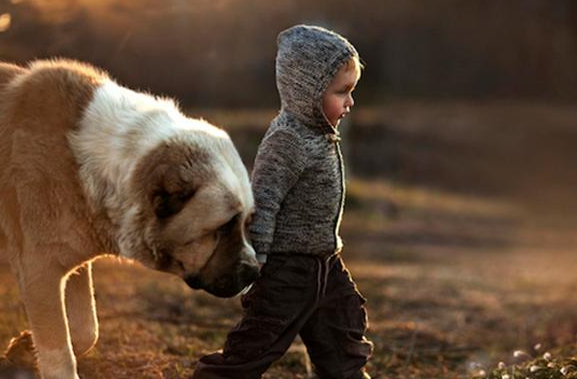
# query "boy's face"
(338, 99)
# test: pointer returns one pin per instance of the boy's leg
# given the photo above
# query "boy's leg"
(335, 333)
(275, 309)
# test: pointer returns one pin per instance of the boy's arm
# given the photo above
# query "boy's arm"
(280, 160)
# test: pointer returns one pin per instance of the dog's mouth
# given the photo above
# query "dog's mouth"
(226, 285)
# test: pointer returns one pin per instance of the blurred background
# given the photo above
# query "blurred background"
(495, 80)
(461, 154)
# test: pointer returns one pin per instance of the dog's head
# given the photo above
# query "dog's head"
(194, 206)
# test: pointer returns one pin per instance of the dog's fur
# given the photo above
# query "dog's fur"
(87, 168)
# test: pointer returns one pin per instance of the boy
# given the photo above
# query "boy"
(298, 183)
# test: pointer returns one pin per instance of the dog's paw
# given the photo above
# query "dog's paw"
(5, 364)
(21, 352)
(10, 371)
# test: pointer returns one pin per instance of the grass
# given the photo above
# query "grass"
(439, 307)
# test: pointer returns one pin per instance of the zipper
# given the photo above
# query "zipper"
(336, 138)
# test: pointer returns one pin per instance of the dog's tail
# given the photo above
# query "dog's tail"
(9, 71)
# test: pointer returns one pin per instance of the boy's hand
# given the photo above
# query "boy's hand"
(261, 259)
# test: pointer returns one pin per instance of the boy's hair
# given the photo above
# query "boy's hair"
(354, 63)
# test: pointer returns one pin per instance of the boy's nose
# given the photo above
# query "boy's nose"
(350, 102)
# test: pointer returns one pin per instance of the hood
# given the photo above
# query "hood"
(308, 58)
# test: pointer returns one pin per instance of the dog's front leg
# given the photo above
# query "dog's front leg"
(42, 292)
(81, 310)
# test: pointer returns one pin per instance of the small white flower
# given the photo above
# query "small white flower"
(564, 370)
(505, 376)
(547, 356)
(551, 365)
(501, 366)
(534, 368)
(537, 347)
(520, 353)
(482, 373)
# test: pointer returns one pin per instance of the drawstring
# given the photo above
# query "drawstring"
(333, 137)
(323, 275)
(326, 275)
(319, 279)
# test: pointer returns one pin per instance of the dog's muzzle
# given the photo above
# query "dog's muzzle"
(226, 285)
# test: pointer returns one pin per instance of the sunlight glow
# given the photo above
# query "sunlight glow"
(5, 20)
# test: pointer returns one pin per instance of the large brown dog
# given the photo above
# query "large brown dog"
(88, 167)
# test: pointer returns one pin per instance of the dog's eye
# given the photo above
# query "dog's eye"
(229, 226)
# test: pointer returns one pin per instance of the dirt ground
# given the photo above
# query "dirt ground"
(452, 283)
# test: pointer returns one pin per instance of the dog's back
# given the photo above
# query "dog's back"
(38, 107)
(8, 72)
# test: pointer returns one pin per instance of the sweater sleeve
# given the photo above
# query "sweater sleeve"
(280, 160)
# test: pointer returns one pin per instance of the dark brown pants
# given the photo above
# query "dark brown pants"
(296, 294)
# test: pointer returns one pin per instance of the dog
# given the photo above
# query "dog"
(89, 167)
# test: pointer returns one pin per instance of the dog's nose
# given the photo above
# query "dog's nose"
(194, 282)
(248, 273)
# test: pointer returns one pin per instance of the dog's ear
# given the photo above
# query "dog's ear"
(167, 204)
(169, 176)
(171, 192)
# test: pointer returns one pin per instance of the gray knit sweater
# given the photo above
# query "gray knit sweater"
(298, 177)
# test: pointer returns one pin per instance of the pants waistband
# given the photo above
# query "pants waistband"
(326, 255)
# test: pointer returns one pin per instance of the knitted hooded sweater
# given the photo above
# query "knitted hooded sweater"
(298, 175)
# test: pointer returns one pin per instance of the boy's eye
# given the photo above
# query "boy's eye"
(345, 91)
